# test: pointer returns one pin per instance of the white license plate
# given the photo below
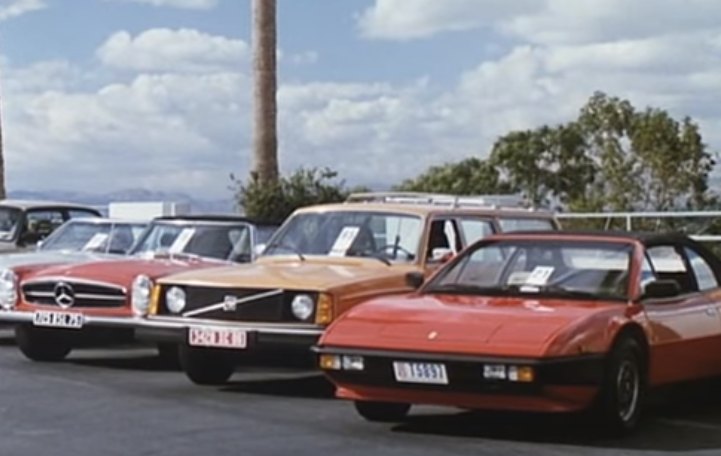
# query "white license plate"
(54, 319)
(434, 373)
(214, 337)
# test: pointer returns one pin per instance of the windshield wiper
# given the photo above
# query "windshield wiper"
(369, 254)
(280, 245)
(466, 288)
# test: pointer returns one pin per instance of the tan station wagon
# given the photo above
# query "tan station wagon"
(321, 262)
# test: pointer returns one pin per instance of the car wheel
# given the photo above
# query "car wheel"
(39, 344)
(624, 388)
(168, 354)
(382, 411)
(205, 366)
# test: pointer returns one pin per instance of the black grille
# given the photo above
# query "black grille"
(84, 294)
(272, 308)
(464, 376)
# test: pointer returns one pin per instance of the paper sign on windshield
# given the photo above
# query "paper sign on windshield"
(96, 241)
(539, 276)
(182, 240)
(344, 241)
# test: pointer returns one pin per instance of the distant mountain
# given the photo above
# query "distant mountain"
(197, 206)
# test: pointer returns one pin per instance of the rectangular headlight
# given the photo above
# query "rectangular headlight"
(494, 371)
(351, 362)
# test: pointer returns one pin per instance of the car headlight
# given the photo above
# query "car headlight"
(8, 289)
(175, 299)
(140, 294)
(302, 306)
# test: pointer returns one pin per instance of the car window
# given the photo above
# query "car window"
(9, 222)
(41, 222)
(669, 264)
(475, 229)
(705, 278)
(525, 224)
(443, 240)
(78, 212)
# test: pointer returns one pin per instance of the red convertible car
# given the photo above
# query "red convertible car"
(56, 307)
(537, 321)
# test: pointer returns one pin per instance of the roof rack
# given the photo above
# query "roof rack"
(440, 199)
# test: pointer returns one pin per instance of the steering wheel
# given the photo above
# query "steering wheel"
(395, 249)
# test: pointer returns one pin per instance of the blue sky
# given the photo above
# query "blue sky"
(103, 95)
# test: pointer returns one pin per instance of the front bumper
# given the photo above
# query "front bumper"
(560, 384)
(281, 336)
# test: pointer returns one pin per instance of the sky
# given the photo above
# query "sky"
(105, 95)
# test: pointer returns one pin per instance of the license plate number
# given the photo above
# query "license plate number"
(58, 319)
(434, 373)
(221, 338)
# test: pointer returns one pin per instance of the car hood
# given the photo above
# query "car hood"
(468, 325)
(118, 271)
(12, 260)
(311, 273)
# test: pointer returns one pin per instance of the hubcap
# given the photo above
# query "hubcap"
(628, 384)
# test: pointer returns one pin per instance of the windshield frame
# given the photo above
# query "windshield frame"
(275, 242)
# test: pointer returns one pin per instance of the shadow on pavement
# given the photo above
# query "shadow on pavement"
(311, 386)
(683, 419)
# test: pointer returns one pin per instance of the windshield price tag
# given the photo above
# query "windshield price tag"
(182, 240)
(96, 241)
(539, 276)
(344, 241)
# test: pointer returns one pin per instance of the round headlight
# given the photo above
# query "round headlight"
(302, 306)
(175, 299)
(140, 295)
(8, 289)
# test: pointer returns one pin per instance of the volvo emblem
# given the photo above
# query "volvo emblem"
(230, 303)
(64, 295)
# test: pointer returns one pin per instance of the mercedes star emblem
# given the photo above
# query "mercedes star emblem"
(64, 295)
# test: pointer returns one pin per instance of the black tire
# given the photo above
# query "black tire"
(168, 354)
(385, 412)
(40, 344)
(205, 366)
(623, 391)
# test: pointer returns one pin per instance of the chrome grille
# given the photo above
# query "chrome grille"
(84, 293)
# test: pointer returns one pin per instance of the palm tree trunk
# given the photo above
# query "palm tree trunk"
(265, 137)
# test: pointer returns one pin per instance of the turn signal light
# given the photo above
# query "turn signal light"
(324, 309)
(521, 374)
(154, 299)
(330, 362)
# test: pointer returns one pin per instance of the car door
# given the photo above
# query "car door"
(685, 329)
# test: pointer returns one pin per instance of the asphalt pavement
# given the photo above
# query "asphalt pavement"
(121, 401)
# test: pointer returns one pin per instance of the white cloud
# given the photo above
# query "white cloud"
(160, 50)
(408, 19)
(183, 4)
(14, 8)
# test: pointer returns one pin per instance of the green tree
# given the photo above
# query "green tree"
(612, 158)
(274, 201)
(471, 176)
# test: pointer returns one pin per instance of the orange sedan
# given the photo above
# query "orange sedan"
(537, 321)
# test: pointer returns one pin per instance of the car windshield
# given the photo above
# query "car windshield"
(9, 220)
(387, 236)
(94, 236)
(220, 240)
(574, 269)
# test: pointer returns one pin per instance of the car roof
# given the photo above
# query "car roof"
(29, 204)
(215, 218)
(424, 204)
(107, 220)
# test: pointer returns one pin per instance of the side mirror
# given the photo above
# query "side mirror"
(664, 288)
(441, 254)
(415, 279)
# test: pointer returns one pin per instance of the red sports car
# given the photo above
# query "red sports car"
(57, 307)
(545, 322)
